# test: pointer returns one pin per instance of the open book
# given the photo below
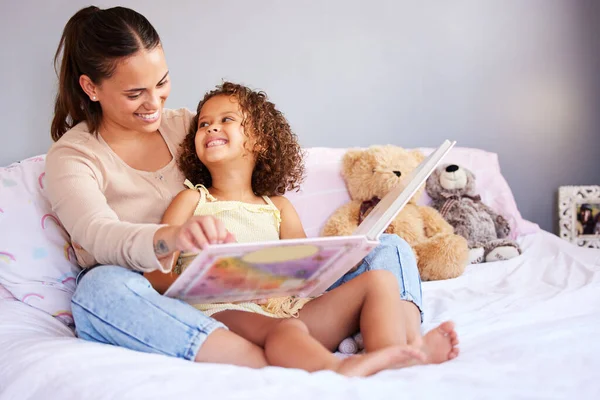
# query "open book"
(293, 267)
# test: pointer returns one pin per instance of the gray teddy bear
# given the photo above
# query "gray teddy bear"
(452, 189)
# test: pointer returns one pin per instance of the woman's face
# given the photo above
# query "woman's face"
(134, 96)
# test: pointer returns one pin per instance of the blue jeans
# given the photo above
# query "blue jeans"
(117, 306)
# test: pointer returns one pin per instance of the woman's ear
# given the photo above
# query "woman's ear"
(88, 87)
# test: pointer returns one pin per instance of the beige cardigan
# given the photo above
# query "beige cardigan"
(111, 210)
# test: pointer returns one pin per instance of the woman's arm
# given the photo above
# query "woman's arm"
(73, 186)
(179, 211)
(291, 226)
(78, 173)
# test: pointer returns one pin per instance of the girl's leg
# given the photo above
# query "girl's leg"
(288, 343)
(394, 254)
(117, 306)
(370, 302)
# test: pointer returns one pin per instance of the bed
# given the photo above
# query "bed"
(529, 327)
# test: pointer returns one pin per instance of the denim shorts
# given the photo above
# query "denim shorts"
(118, 306)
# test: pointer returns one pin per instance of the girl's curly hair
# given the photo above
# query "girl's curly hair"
(279, 157)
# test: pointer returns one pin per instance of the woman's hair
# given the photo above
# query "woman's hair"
(92, 44)
(279, 157)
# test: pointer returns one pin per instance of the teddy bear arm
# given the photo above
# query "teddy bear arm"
(434, 222)
(343, 221)
(500, 223)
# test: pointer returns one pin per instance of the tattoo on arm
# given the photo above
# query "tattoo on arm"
(161, 248)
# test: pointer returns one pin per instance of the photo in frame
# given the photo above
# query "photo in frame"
(579, 215)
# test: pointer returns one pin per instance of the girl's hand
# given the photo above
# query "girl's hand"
(198, 232)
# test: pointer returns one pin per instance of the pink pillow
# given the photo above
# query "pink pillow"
(324, 190)
(37, 265)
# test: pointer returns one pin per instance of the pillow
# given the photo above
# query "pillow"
(38, 266)
(324, 190)
(37, 263)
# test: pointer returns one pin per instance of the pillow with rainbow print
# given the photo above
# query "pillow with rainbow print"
(37, 263)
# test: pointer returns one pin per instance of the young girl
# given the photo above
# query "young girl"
(242, 156)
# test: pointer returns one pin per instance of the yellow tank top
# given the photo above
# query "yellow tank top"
(249, 223)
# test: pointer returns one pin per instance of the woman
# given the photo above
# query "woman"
(111, 175)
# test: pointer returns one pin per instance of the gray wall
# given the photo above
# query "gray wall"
(516, 77)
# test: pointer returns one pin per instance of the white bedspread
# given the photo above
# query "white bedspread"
(529, 328)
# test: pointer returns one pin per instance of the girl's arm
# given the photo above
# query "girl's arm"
(179, 211)
(291, 226)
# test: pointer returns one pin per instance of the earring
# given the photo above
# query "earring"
(94, 98)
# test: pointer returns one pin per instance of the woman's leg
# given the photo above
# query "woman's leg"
(117, 306)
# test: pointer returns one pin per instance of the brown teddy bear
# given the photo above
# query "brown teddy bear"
(369, 175)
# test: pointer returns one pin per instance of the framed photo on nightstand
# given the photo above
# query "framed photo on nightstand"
(579, 215)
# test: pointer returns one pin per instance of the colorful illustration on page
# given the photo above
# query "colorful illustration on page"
(286, 268)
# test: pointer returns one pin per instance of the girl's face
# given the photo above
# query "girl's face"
(134, 96)
(220, 135)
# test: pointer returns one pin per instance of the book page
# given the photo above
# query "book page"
(386, 210)
(348, 260)
(238, 272)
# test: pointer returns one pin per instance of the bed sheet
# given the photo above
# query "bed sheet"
(529, 328)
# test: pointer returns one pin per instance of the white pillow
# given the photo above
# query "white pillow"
(37, 263)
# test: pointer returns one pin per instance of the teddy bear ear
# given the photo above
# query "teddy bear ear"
(350, 158)
(418, 155)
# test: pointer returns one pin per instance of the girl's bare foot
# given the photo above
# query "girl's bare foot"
(439, 344)
(371, 363)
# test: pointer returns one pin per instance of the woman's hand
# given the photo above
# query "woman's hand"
(200, 231)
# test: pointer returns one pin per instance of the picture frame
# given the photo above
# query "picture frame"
(579, 215)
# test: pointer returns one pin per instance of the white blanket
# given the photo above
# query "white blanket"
(529, 328)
